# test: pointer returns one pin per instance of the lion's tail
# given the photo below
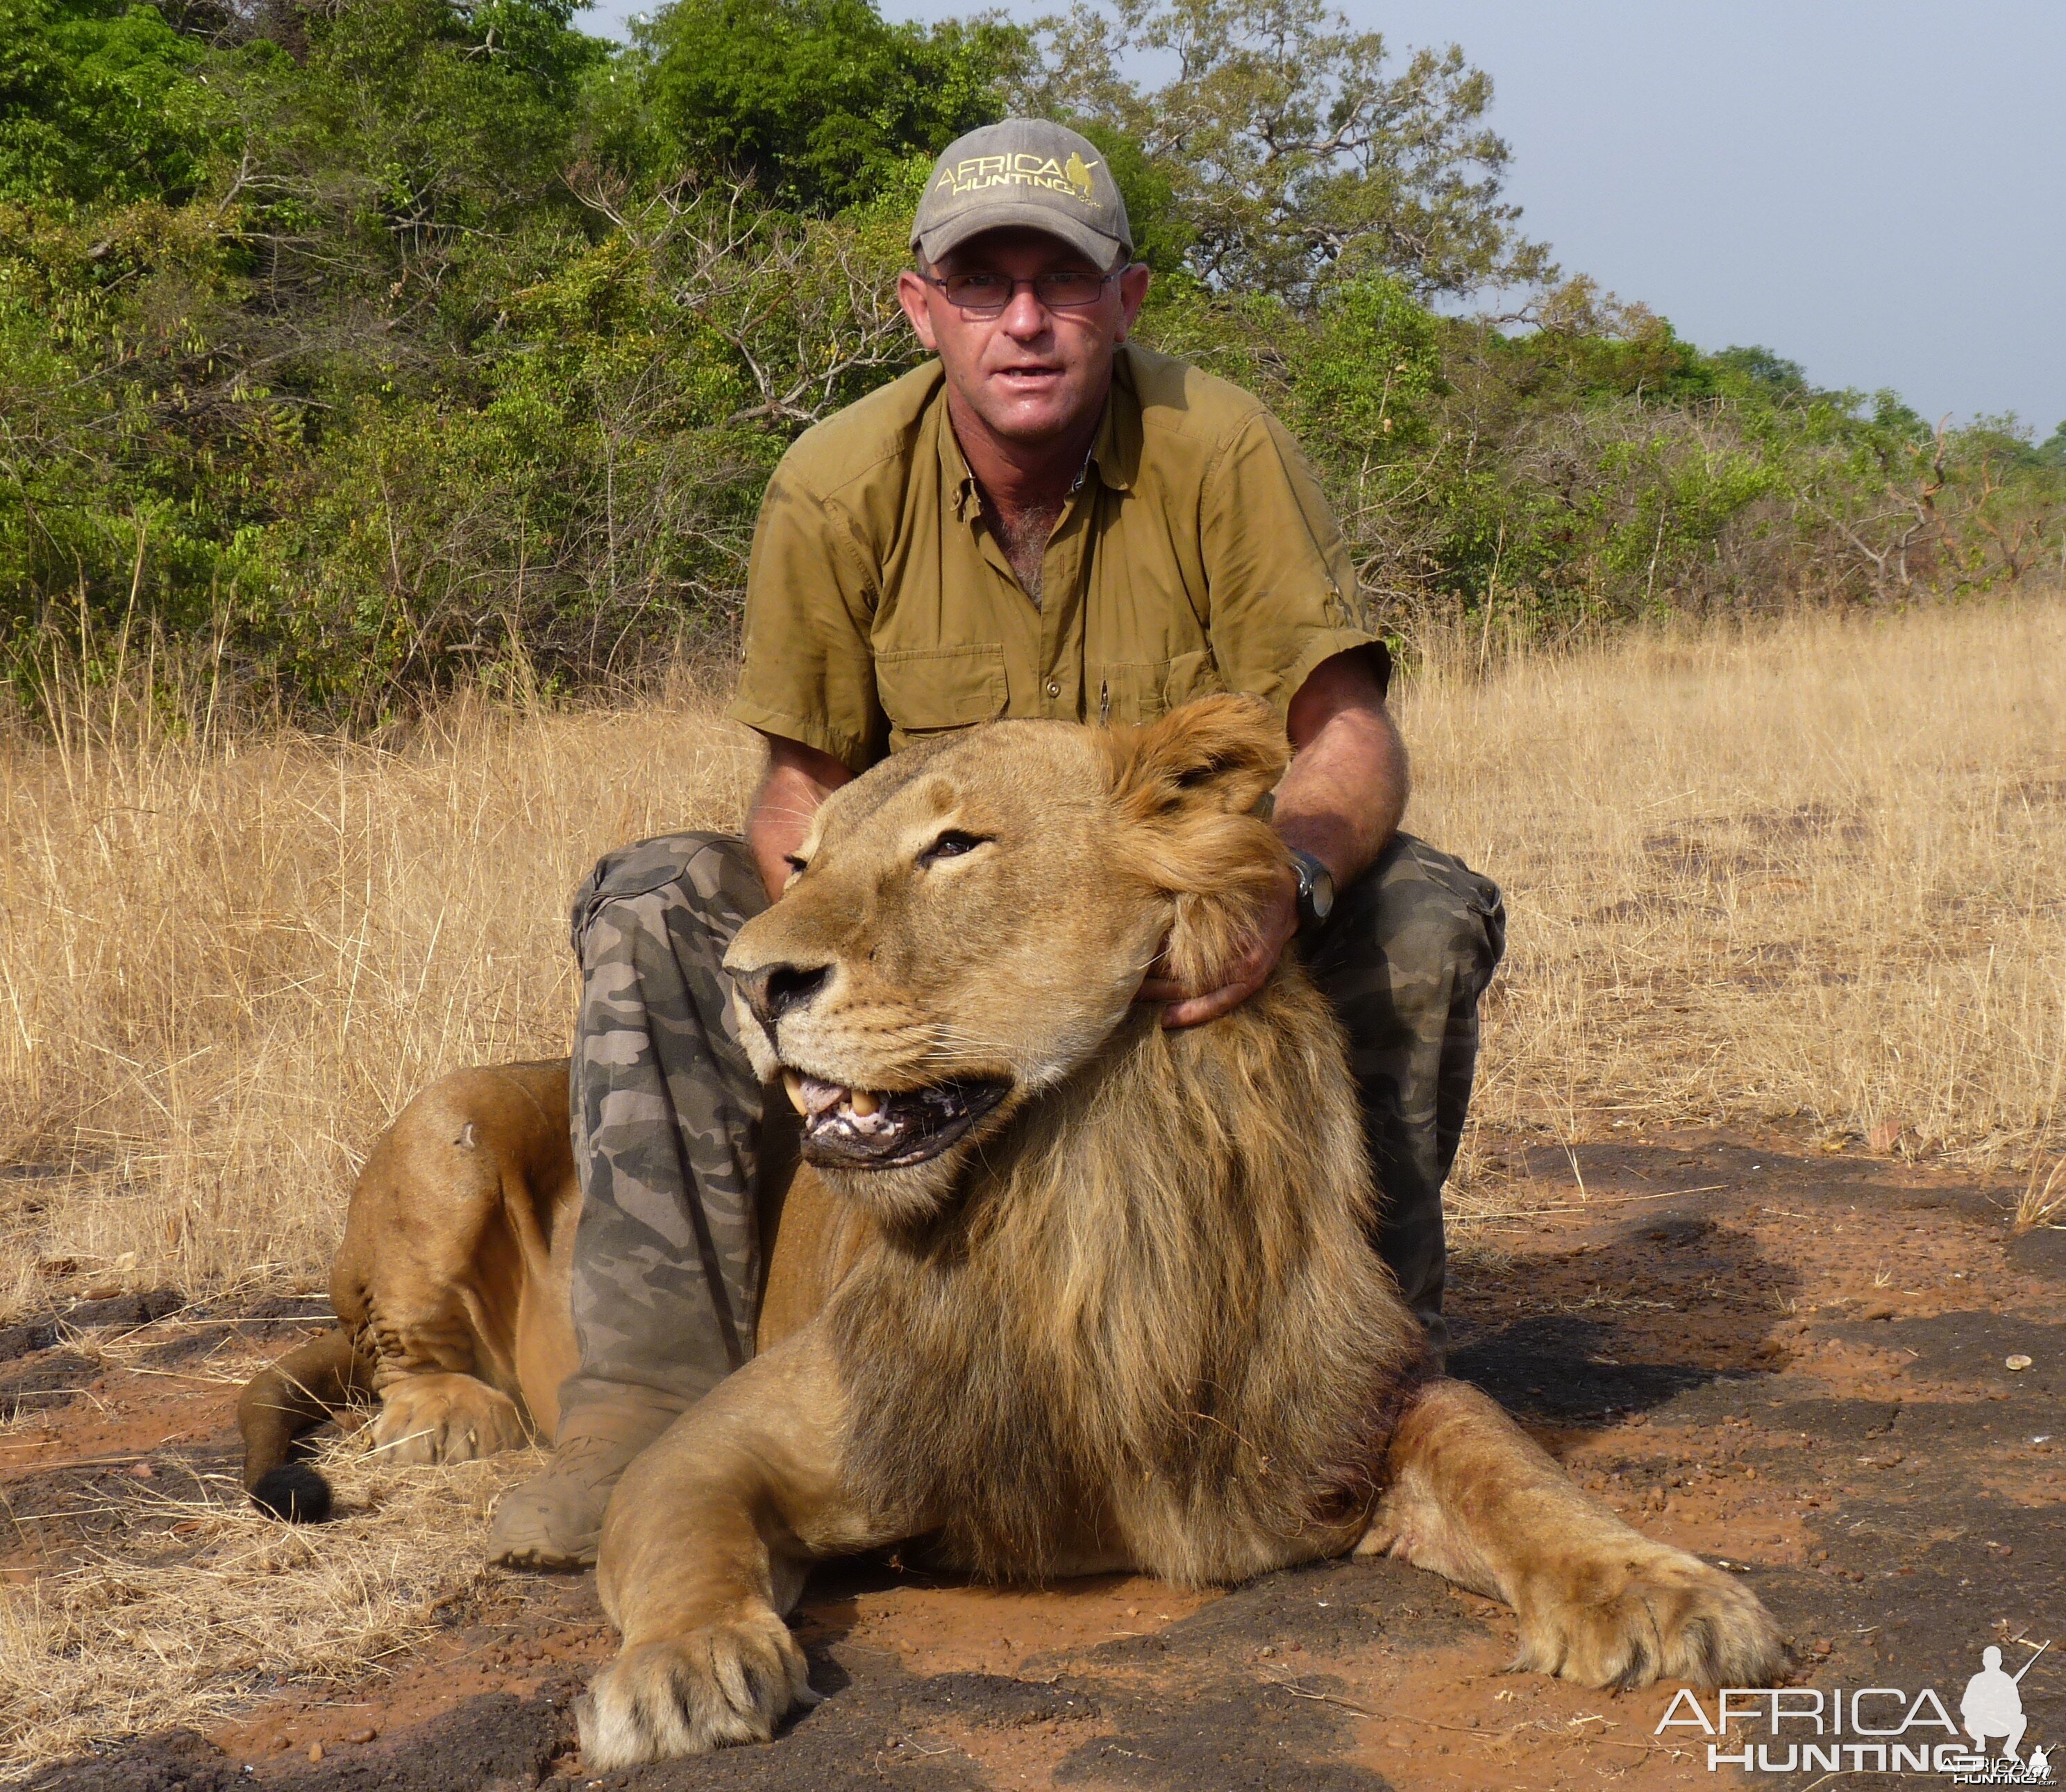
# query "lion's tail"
(281, 1402)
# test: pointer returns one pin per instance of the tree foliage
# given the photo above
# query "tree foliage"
(1296, 152)
(819, 102)
(369, 345)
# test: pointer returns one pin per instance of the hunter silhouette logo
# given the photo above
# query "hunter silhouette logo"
(976, 173)
(1993, 1706)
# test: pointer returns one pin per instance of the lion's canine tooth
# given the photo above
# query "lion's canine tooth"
(794, 1083)
(865, 1101)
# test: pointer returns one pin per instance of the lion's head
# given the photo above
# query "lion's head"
(968, 922)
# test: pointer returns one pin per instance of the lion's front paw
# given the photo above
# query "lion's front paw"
(445, 1418)
(725, 1683)
(1628, 1616)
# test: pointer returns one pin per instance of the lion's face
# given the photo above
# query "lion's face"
(971, 920)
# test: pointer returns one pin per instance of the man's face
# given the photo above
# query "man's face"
(1031, 374)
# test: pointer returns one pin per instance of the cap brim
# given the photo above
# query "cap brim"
(945, 237)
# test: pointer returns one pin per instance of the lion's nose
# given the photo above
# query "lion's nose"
(771, 991)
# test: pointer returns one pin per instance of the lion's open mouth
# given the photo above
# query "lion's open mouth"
(865, 1129)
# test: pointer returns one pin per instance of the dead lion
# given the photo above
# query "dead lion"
(1057, 1289)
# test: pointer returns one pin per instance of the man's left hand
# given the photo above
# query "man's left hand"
(1247, 974)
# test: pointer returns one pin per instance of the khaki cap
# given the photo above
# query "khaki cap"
(1029, 171)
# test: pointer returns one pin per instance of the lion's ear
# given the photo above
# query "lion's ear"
(1218, 753)
(1187, 788)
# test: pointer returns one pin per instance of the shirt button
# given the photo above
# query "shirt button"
(1053, 689)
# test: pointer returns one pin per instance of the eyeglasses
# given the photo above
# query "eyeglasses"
(985, 294)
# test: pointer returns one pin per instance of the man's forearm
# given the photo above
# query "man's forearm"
(798, 779)
(1346, 792)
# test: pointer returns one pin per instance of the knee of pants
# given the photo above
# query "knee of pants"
(1424, 946)
(725, 880)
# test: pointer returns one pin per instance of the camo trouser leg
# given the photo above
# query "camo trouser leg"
(1405, 957)
(666, 1114)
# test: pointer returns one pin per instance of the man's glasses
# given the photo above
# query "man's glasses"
(985, 295)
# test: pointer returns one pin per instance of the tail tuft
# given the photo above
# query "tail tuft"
(295, 1491)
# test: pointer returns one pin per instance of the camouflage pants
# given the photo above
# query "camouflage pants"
(678, 1152)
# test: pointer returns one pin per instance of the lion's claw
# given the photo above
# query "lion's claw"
(1646, 1613)
(725, 1683)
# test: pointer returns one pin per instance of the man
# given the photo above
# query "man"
(1043, 521)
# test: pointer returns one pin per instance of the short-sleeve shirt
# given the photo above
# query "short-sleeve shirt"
(1195, 554)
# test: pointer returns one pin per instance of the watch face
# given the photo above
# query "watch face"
(1316, 887)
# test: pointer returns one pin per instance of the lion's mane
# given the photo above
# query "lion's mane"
(1158, 1278)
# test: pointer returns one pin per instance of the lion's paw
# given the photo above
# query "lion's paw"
(445, 1418)
(725, 1683)
(1631, 1615)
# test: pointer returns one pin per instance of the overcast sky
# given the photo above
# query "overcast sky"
(1875, 189)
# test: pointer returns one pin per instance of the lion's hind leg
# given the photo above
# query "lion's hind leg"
(1473, 1498)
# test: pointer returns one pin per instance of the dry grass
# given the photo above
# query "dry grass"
(223, 966)
(1817, 870)
(204, 1606)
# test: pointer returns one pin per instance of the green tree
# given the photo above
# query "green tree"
(98, 104)
(1296, 154)
(819, 102)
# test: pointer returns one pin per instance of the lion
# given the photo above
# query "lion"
(1055, 1290)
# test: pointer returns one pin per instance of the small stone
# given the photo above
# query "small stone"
(315, 1752)
(1879, 1309)
(143, 1471)
(364, 1733)
(2019, 1361)
(1819, 1648)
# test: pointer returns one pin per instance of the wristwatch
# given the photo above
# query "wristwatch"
(1316, 890)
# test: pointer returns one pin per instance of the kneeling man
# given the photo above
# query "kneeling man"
(1044, 520)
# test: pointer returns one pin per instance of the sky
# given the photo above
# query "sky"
(1874, 188)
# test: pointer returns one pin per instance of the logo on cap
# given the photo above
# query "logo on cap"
(977, 174)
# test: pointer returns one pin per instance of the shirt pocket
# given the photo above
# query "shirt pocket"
(930, 690)
(1126, 691)
(1190, 675)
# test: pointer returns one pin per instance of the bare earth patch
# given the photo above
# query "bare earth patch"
(1791, 1359)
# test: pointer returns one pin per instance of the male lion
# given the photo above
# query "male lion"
(1056, 1289)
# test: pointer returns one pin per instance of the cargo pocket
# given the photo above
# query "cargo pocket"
(932, 691)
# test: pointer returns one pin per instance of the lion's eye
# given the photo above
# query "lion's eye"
(950, 845)
(796, 869)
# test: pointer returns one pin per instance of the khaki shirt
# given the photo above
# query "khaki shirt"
(1196, 554)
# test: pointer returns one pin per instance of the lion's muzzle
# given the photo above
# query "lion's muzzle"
(865, 1129)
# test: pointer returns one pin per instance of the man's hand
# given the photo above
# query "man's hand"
(1247, 974)
(1341, 801)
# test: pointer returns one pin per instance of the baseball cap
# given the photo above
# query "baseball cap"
(1029, 171)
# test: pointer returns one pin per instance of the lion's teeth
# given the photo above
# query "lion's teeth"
(865, 1101)
(794, 1084)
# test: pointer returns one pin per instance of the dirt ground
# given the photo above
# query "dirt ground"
(1791, 1359)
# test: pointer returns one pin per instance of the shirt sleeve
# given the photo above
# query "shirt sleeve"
(1283, 590)
(809, 670)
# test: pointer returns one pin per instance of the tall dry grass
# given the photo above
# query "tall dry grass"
(1817, 869)
(227, 956)
(1814, 870)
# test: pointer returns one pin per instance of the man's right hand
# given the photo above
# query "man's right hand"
(798, 779)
